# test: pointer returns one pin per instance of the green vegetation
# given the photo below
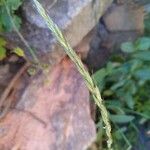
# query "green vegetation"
(124, 81)
(3, 51)
(9, 19)
(5, 20)
(125, 86)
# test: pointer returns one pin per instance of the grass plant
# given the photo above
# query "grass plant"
(81, 68)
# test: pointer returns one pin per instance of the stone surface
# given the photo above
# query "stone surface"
(76, 18)
(84, 46)
(52, 114)
(124, 18)
(104, 44)
(8, 69)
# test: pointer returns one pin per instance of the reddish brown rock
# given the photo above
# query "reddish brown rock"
(53, 114)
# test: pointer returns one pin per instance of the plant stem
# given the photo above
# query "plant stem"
(81, 68)
(124, 137)
(21, 37)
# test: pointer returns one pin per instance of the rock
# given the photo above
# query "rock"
(124, 18)
(84, 46)
(52, 114)
(4, 77)
(76, 18)
(13, 58)
(104, 44)
(4, 69)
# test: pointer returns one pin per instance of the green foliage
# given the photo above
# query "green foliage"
(5, 20)
(125, 86)
(18, 51)
(127, 47)
(3, 52)
(2, 49)
(121, 118)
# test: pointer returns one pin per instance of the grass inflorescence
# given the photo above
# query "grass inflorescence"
(81, 68)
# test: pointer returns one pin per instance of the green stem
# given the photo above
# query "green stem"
(137, 113)
(124, 137)
(21, 37)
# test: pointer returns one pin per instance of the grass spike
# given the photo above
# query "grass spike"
(85, 74)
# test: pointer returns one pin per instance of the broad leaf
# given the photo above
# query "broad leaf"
(17, 21)
(136, 63)
(143, 74)
(14, 4)
(19, 52)
(99, 76)
(129, 100)
(119, 84)
(143, 43)
(145, 55)
(6, 22)
(127, 47)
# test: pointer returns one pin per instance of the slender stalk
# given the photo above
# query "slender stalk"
(20, 36)
(124, 137)
(77, 61)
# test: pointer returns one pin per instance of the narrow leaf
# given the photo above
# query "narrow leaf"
(121, 118)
